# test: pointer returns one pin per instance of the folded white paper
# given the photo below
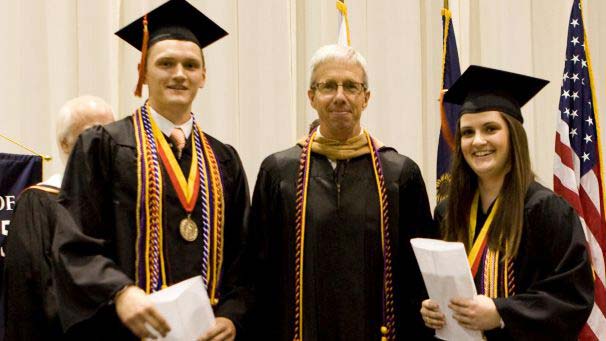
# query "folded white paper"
(186, 308)
(446, 274)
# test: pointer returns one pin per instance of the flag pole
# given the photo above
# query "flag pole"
(446, 4)
(44, 157)
(343, 10)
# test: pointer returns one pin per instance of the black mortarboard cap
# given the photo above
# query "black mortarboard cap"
(175, 19)
(483, 89)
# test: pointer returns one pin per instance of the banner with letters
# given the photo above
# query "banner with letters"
(17, 172)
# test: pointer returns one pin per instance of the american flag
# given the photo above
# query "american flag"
(577, 167)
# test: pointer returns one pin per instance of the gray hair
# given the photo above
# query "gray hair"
(78, 114)
(337, 53)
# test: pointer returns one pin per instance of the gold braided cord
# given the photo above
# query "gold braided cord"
(387, 330)
(485, 277)
(209, 222)
(301, 209)
(153, 253)
(218, 218)
(150, 236)
(492, 269)
(138, 207)
(488, 267)
(497, 275)
(154, 213)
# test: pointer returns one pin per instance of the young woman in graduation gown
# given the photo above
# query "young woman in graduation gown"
(525, 244)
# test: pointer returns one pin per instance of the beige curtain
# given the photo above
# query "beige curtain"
(255, 96)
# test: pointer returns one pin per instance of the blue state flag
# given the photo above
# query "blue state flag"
(451, 71)
(17, 172)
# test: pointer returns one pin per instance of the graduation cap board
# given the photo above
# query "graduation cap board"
(483, 89)
(174, 19)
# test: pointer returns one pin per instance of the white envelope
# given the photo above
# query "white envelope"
(186, 308)
(446, 274)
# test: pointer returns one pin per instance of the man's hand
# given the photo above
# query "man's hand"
(432, 316)
(135, 309)
(478, 313)
(223, 330)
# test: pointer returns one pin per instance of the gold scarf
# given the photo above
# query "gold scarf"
(340, 150)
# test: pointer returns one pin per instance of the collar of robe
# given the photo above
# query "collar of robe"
(486, 262)
(44, 187)
(187, 190)
(340, 150)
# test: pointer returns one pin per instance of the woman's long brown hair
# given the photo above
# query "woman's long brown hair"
(506, 230)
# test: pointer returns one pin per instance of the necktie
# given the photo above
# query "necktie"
(177, 136)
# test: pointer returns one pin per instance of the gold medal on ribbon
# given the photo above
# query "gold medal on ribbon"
(188, 229)
(187, 189)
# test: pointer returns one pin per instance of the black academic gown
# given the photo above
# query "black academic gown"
(30, 304)
(553, 280)
(343, 261)
(96, 254)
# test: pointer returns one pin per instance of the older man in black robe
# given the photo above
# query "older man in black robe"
(31, 304)
(331, 222)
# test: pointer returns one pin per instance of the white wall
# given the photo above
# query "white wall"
(255, 96)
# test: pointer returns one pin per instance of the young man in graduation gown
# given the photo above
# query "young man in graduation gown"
(30, 302)
(149, 213)
(331, 222)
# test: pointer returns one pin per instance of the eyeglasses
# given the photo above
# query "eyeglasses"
(330, 87)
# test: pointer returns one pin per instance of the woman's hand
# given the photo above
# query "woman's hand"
(223, 330)
(478, 313)
(432, 316)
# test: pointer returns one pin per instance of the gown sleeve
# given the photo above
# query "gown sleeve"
(265, 216)
(29, 297)
(235, 289)
(555, 268)
(415, 222)
(87, 278)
